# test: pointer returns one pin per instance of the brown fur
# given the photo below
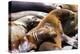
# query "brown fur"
(56, 24)
(47, 46)
(57, 18)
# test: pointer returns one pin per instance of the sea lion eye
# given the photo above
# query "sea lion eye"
(72, 16)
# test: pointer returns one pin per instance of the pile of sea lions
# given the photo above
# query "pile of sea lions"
(36, 30)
